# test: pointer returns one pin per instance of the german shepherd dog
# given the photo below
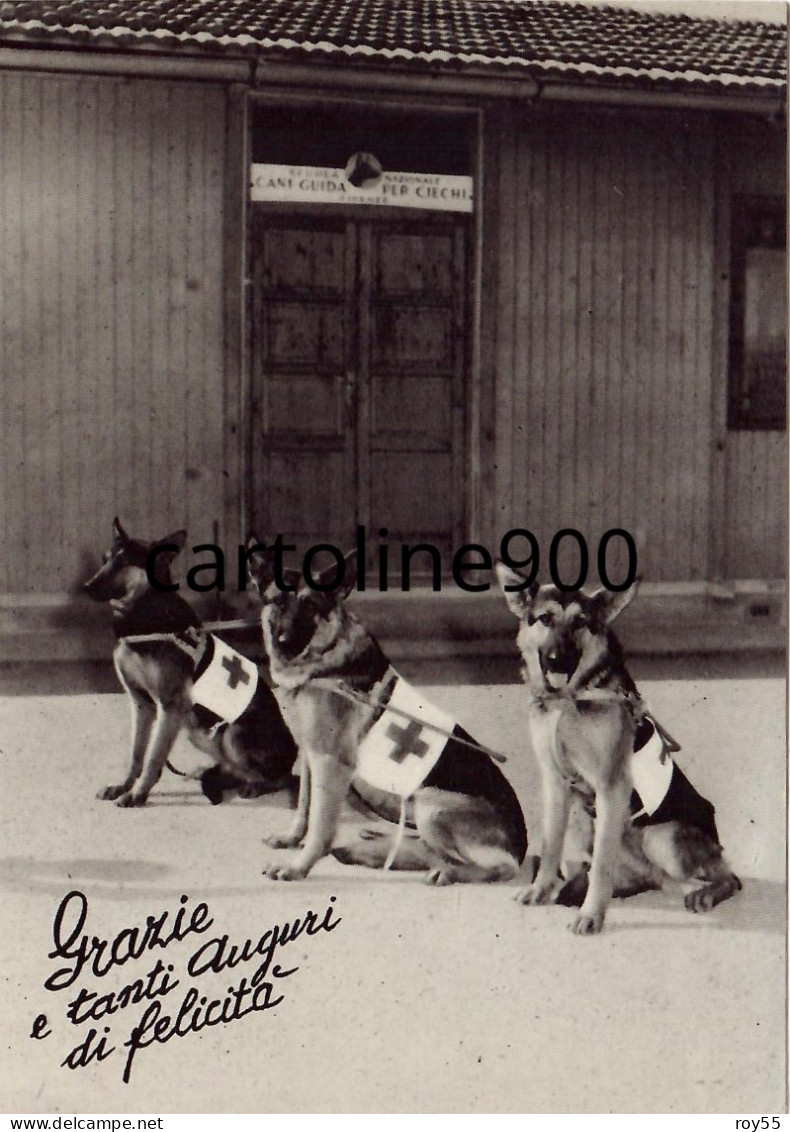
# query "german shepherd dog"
(360, 727)
(162, 657)
(595, 742)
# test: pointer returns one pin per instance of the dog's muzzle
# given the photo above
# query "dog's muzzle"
(560, 662)
(98, 587)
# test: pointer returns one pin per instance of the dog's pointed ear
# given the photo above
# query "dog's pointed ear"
(118, 533)
(611, 603)
(169, 549)
(350, 575)
(518, 596)
(259, 561)
(254, 547)
(336, 583)
(177, 539)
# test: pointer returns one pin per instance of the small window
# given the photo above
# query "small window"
(758, 315)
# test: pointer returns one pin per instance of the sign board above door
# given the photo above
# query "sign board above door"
(310, 185)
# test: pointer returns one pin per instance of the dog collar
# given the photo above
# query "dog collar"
(192, 641)
(569, 694)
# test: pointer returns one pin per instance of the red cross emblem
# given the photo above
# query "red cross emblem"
(406, 741)
(236, 672)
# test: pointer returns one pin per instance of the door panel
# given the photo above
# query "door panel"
(415, 370)
(309, 503)
(358, 378)
(311, 401)
(418, 406)
(402, 477)
(405, 336)
(304, 334)
(416, 264)
(303, 258)
(302, 465)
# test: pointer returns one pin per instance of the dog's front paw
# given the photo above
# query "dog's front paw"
(441, 877)
(707, 897)
(283, 840)
(110, 793)
(700, 900)
(587, 925)
(538, 893)
(131, 798)
(252, 790)
(284, 872)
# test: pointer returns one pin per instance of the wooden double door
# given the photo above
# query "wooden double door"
(358, 378)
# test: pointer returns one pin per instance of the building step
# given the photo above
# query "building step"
(425, 626)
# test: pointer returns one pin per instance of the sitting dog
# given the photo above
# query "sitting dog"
(358, 723)
(594, 741)
(177, 675)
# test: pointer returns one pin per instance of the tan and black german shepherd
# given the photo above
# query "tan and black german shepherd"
(595, 742)
(360, 727)
(162, 657)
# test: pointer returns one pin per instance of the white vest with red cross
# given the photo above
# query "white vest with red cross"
(405, 743)
(228, 684)
(651, 768)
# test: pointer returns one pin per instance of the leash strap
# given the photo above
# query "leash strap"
(398, 838)
(598, 695)
(140, 638)
(207, 627)
(592, 695)
(670, 744)
(192, 641)
(240, 623)
(634, 704)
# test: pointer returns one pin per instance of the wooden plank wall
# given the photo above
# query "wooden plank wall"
(111, 318)
(756, 507)
(598, 296)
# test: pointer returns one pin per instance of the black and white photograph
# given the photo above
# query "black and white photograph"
(393, 625)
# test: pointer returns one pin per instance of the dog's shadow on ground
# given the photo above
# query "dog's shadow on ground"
(123, 880)
(108, 879)
(761, 906)
(111, 877)
(175, 798)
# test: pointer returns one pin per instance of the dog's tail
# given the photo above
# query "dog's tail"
(373, 848)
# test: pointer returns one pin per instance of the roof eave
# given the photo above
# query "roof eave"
(242, 62)
(523, 83)
(706, 97)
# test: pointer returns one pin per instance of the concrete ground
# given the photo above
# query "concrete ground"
(453, 1000)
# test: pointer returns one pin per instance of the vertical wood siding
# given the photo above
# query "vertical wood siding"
(756, 511)
(111, 318)
(601, 302)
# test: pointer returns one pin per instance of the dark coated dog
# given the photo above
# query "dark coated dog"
(178, 675)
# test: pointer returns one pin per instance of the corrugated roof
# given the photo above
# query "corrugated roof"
(544, 38)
